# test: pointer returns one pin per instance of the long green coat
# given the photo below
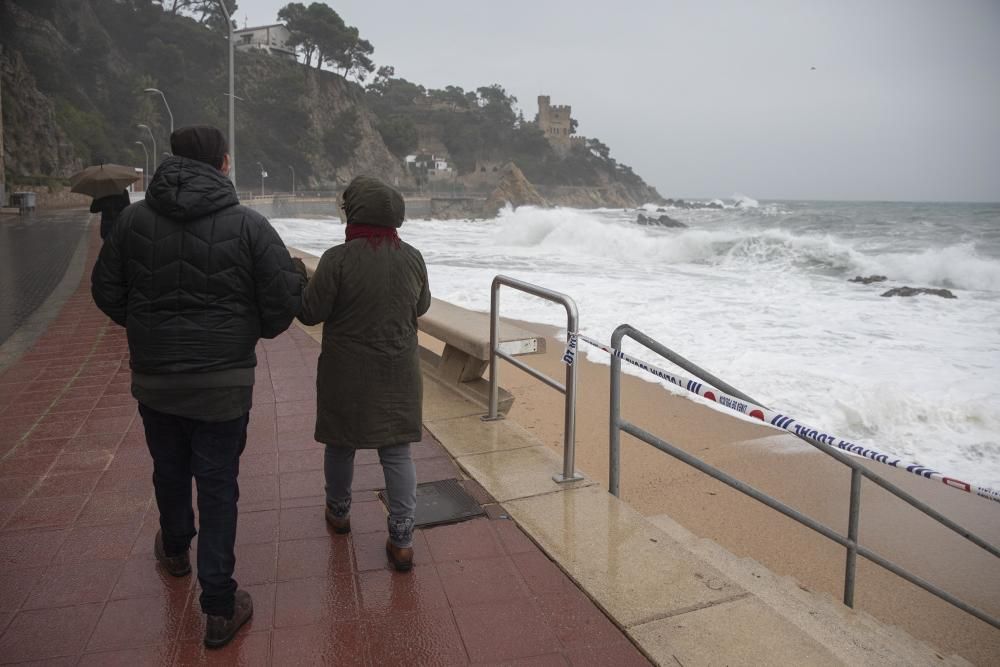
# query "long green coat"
(368, 386)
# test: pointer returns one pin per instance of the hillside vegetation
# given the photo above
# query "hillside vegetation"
(74, 72)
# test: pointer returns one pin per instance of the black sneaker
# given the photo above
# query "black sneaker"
(177, 566)
(220, 630)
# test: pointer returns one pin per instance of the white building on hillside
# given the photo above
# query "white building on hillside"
(270, 38)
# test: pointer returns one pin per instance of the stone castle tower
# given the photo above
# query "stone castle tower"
(554, 121)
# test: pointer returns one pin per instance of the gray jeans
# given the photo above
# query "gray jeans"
(400, 485)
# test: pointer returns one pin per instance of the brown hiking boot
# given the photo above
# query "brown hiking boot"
(220, 630)
(340, 526)
(401, 558)
(177, 566)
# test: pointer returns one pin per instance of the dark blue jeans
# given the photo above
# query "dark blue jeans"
(210, 452)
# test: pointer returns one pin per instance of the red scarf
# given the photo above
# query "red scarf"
(374, 234)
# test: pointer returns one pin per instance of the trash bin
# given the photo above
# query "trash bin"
(25, 201)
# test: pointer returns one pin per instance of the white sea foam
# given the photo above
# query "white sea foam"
(955, 266)
(765, 306)
(742, 201)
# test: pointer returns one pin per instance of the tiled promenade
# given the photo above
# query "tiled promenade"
(79, 586)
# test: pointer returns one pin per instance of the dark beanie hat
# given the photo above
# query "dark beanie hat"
(200, 142)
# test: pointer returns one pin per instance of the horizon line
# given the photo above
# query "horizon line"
(864, 201)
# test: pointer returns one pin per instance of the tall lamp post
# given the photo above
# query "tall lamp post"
(293, 179)
(145, 173)
(164, 98)
(146, 127)
(263, 175)
(232, 100)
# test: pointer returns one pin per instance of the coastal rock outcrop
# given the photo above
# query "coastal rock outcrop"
(513, 189)
(867, 280)
(680, 203)
(662, 221)
(602, 195)
(914, 291)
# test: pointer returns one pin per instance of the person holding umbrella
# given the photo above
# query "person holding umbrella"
(110, 208)
(106, 183)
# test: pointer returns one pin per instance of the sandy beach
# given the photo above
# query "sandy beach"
(795, 473)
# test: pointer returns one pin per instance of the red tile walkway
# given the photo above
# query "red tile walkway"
(78, 584)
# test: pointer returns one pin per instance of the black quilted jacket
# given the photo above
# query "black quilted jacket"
(195, 277)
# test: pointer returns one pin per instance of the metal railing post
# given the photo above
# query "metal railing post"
(569, 428)
(494, 338)
(615, 437)
(568, 473)
(854, 518)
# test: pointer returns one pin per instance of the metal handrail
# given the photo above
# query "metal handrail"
(850, 541)
(569, 389)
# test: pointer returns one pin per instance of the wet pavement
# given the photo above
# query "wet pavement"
(34, 253)
(79, 585)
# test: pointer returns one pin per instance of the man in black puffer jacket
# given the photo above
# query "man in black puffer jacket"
(197, 279)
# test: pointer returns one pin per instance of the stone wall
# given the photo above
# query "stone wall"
(457, 207)
(299, 207)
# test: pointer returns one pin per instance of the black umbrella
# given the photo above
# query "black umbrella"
(102, 180)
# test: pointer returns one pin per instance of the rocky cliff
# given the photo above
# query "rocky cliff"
(34, 144)
(330, 98)
(513, 189)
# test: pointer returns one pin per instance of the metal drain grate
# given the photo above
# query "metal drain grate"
(444, 501)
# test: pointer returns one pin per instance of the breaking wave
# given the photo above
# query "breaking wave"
(582, 232)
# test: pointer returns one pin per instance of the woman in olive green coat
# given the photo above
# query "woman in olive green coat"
(368, 293)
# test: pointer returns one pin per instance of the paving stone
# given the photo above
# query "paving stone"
(463, 541)
(40, 634)
(138, 622)
(337, 643)
(426, 637)
(60, 586)
(504, 630)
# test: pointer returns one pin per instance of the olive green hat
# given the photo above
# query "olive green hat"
(369, 201)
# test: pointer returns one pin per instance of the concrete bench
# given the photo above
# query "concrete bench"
(466, 337)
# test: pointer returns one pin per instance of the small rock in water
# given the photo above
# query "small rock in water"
(662, 221)
(867, 281)
(914, 291)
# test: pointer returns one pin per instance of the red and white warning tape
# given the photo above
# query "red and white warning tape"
(779, 420)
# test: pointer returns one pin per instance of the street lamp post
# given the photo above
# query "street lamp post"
(146, 127)
(232, 100)
(293, 179)
(263, 175)
(164, 98)
(145, 173)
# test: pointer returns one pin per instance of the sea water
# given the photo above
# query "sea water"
(758, 294)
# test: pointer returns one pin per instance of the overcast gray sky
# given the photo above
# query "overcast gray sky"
(715, 97)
